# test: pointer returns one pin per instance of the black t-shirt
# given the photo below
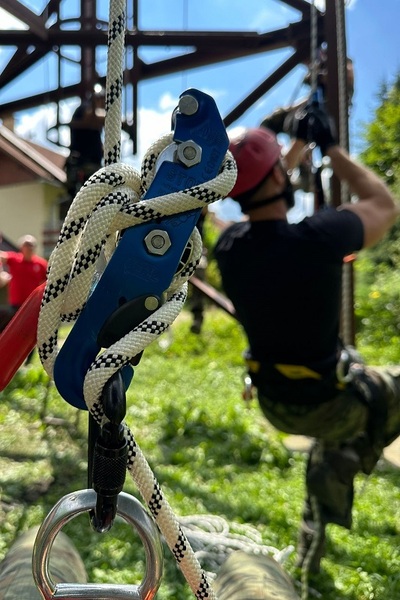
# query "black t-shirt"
(285, 283)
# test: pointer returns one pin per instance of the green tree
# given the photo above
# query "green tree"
(382, 155)
(377, 270)
(382, 135)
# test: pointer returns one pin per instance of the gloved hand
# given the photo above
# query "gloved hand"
(299, 127)
(275, 121)
(313, 124)
(322, 128)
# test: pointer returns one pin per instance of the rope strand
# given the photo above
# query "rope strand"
(347, 296)
(109, 200)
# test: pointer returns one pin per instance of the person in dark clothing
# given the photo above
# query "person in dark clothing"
(285, 281)
(86, 145)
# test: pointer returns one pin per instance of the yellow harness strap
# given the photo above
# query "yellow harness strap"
(297, 372)
(294, 372)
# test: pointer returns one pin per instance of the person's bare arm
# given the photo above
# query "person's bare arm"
(3, 256)
(376, 206)
(295, 153)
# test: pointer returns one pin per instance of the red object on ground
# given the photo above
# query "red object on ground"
(19, 337)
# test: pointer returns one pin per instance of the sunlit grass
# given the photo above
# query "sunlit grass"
(211, 453)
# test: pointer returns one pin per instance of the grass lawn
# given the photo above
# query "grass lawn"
(212, 454)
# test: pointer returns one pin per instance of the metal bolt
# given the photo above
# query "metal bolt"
(157, 242)
(189, 153)
(188, 105)
(151, 303)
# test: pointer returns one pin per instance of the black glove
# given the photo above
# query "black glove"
(299, 127)
(275, 121)
(322, 128)
(313, 124)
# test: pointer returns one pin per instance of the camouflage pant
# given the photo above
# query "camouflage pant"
(16, 579)
(242, 576)
(350, 430)
(253, 577)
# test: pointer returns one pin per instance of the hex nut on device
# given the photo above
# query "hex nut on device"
(189, 153)
(157, 242)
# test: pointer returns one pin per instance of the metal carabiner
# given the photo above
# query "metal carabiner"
(84, 501)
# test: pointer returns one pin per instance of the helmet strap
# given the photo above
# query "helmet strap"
(287, 194)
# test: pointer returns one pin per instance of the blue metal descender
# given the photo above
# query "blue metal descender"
(147, 255)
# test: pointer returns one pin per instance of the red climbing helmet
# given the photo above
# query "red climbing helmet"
(256, 151)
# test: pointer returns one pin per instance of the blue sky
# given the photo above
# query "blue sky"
(372, 42)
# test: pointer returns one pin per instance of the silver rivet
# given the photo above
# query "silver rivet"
(188, 105)
(151, 303)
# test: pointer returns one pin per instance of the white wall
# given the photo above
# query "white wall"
(25, 208)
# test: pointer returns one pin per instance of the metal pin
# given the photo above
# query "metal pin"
(188, 105)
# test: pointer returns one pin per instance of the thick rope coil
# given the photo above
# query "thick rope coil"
(108, 202)
(213, 539)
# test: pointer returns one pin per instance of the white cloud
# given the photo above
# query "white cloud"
(235, 131)
(167, 102)
(321, 4)
(7, 21)
(152, 124)
(34, 125)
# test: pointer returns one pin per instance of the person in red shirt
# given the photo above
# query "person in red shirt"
(27, 271)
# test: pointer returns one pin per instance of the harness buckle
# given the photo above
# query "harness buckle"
(346, 365)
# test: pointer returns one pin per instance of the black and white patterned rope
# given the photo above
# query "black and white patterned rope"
(107, 203)
(114, 81)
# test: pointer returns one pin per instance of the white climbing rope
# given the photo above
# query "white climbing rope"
(213, 539)
(114, 81)
(108, 203)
